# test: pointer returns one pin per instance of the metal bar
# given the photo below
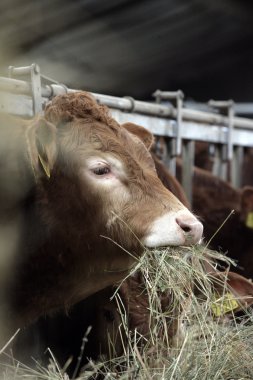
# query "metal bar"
(20, 71)
(220, 103)
(179, 123)
(211, 118)
(177, 98)
(173, 122)
(236, 166)
(124, 104)
(224, 172)
(170, 159)
(36, 88)
(18, 105)
(33, 74)
(220, 162)
(190, 130)
(168, 95)
(14, 104)
(245, 108)
(231, 115)
(228, 107)
(15, 86)
(188, 148)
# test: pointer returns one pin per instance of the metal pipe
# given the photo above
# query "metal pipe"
(124, 104)
(25, 70)
(221, 103)
(226, 106)
(168, 95)
(15, 86)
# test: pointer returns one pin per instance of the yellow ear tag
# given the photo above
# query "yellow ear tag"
(223, 305)
(249, 220)
(45, 166)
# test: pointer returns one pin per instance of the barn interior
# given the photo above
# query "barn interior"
(131, 48)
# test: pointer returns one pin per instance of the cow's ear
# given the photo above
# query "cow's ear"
(240, 290)
(247, 206)
(41, 140)
(142, 133)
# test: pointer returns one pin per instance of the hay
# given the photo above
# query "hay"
(208, 348)
(203, 347)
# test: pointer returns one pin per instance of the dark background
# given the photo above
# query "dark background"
(133, 47)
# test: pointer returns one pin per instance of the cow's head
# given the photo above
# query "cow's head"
(99, 184)
(110, 168)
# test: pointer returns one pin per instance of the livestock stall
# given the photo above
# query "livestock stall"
(26, 91)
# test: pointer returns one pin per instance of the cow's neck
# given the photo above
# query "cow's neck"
(50, 278)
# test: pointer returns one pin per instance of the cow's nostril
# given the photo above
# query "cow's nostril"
(186, 227)
(191, 226)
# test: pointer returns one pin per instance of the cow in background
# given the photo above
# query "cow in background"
(205, 161)
(213, 201)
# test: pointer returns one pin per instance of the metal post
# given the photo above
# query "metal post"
(231, 115)
(188, 150)
(176, 146)
(176, 97)
(220, 163)
(226, 152)
(33, 72)
(237, 166)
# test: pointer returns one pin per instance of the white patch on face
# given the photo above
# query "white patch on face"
(166, 231)
(113, 167)
(107, 173)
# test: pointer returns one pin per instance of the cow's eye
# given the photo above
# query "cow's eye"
(101, 170)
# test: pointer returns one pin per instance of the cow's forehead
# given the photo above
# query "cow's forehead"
(86, 135)
(91, 123)
(127, 146)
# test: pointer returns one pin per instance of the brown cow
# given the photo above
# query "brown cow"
(205, 161)
(213, 201)
(91, 201)
(107, 335)
(96, 310)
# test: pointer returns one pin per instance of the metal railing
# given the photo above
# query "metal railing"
(25, 92)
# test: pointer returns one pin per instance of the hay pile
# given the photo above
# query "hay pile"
(208, 344)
